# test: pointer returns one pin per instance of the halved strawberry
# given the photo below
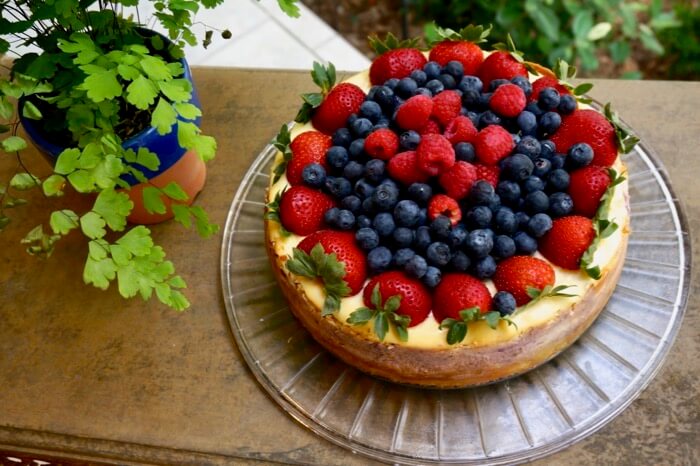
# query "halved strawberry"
(308, 147)
(566, 242)
(594, 129)
(415, 297)
(460, 46)
(397, 59)
(457, 292)
(301, 209)
(586, 186)
(518, 273)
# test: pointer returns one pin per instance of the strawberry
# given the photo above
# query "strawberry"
(341, 102)
(566, 242)
(590, 127)
(441, 204)
(492, 144)
(414, 113)
(396, 63)
(446, 106)
(308, 147)
(458, 181)
(508, 101)
(382, 144)
(488, 173)
(342, 243)
(460, 129)
(518, 273)
(435, 154)
(460, 46)
(500, 65)
(586, 186)
(301, 209)
(415, 298)
(457, 292)
(546, 81)
(431, 127)
(403, 167)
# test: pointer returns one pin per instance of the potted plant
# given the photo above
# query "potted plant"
(113, 108)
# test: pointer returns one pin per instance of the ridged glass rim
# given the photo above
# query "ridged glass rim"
(598, 420)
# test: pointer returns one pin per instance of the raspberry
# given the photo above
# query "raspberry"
(446, 106)
(435, 154)
(460, 129)
(430, 127)
(458, 181)
(508, 101)
(414, 113)
(488, 173)
(441, 204)
(382, 144)
(403, 167)
(492, 144)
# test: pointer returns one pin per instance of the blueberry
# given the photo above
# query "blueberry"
(457, 236)
(342, 137)
(423, 91)
(478, 217)
(532, 183)
(438, 254)
(558, 161)
(406, 87)
(330, 217)
(378, 259)
(375, 170)
(391, 83)
(423, 216)
(416, 266)
(542, 167)
(479, 243)
(346, 220)
(529, 146)
(485, 267)
(435, 86)
(517, 167)
(432, 277)
(539, 225)
(455, 69)
(579, 156)
(447, 80)
(420, 192)
(356, 150)
(549, 123)
(364, 189)
(548, 98)
(481, 193)
(337, 157)
(527, 122)
(504, 303)
(419, 76)
(351, 203)
(474, 117)
(368, 206)
(523, 83)
(503, 246)
(464, 151)
(432, 70)
(560, 204)
(406, 213)
(489, 118)
(385, 98)
(508, 191)
(390, 182)
(470, 99)
(385, 197)
(558, 180)
(402, 256)
(533, 108)
(353, 171)
(522, 219)
(470, 83)
(351, 119)
(363, 221)
(384, 224)
(338, 186)
(440, 227)
(567, 104)
(370, 110)
(403, 237)
(547, 148)
(367, 238)
(409, 140)
(505, 221)
(524, 243)
(536, 202)
(423, 238)
(460, 261)
(361, 127)
(314, 175)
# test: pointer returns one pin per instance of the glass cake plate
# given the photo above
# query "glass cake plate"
(538, 413)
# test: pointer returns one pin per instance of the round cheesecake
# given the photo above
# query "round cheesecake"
(538, 330)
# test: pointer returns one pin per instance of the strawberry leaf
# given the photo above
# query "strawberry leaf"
(471, 33)
(457, 332)
(361, 315)
(548, 292)
(381, 325)
(281, 143)
(385, 316)
(509, 46)
(457, 329)
(626, 140)
(391, 42)
(273, 212)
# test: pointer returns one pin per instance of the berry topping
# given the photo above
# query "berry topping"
(344, 100)
(566, 242)
(415, 112)
(442, 205)
(457, 292)
(492, 144)
(459, 179)
(592, 128)
(308, 147)
(403, 168)
(382, 144)
(519, 273)
(415, 301)
(546, 82)
(302, 209)
(446, 106)
(500, 65)
(508, 101)
(460, 130)
(435, 154)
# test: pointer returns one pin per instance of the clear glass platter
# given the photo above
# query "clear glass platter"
(517, 420)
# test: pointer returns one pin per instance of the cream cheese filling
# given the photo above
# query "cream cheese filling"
(427, 334)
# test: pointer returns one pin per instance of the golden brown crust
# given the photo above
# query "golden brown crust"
(454, 367)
